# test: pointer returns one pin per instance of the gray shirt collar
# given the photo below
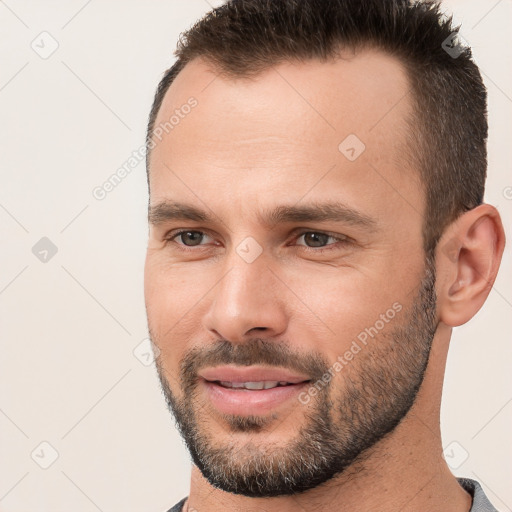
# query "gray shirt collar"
(480, 501)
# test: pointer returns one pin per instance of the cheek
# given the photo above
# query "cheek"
(169, 289)
(165, 306)
(173, 296)
(338, 306)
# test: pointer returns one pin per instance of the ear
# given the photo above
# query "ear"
(468, 257)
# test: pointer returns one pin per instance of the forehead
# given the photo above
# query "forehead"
(287, 126)
(353, 92)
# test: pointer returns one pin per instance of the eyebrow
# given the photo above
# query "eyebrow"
(314, 212)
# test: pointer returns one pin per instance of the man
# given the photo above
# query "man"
(316, 172)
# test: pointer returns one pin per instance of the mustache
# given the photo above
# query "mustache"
(256, 351)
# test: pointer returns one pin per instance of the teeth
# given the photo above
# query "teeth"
(234, 384)
(268, 384)
(254, 385)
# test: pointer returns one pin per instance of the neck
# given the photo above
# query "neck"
(405, 471)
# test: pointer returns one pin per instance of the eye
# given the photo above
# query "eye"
(189, 237)
(314, 241)
(317, 241)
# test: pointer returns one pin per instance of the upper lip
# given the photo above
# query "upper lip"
(251, 374)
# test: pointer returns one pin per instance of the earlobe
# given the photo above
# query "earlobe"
(468, 259)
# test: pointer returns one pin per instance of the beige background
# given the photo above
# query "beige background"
(70, 325)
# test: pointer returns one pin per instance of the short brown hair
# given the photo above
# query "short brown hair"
(448, 131)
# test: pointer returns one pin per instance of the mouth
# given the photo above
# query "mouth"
(251, 390)
(255, 385)
(257, 377)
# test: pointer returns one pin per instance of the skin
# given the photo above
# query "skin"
(250, 145)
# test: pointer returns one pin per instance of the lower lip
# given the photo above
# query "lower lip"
(249, 402)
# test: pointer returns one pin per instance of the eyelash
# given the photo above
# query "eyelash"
(339, 239)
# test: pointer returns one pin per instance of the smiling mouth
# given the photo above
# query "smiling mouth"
(255, 386)
(254, 394)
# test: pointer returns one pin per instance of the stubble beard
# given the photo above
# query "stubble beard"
(378, 388)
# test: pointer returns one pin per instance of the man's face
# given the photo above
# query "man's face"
(340, 307)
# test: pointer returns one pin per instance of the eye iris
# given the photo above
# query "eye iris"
(318, 239)
(196, 237)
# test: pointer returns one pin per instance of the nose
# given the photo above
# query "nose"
(246, 302)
